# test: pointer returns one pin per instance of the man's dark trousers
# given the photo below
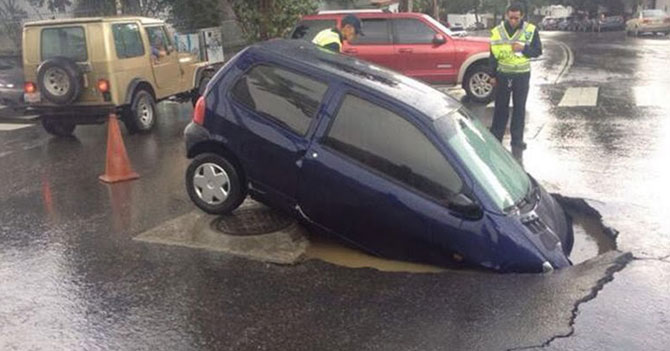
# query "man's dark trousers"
(517, 85)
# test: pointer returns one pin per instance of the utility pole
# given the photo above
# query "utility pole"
(119, 8)
(436, 10)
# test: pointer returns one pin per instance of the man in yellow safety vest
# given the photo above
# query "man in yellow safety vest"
(513, 43)
(332, 38)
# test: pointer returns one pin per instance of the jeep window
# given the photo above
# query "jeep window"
(376, 32)
(386, 142)
(67, 42)
(289, 98)
(308, 29)
(412, 31)
(127, 40)
(159, 40)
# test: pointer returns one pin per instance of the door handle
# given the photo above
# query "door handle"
(350, 51)
(405, 51)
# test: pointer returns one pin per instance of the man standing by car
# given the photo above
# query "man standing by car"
(332, 38)
(513, 43)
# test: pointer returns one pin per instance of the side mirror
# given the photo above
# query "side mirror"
(439, 39)
(463, 206)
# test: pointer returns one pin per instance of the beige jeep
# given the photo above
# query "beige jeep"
(79, 70)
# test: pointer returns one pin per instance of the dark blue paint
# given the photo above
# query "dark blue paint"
(335, 194)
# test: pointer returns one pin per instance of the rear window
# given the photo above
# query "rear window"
(308, 29)
(67, 42)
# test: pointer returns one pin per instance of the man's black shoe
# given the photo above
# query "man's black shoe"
(520, 145)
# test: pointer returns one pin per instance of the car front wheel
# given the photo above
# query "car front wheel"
(478, 84)
(214, 184)
(141, 117)
(57, 128)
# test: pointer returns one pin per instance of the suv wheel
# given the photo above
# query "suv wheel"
(57, 128)
(60, 80)
(214, 184)
(142, 114)
(478, 85)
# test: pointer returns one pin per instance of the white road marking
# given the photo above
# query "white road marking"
(651, 96)
(580, 96)
(566, 63)
(13, 126)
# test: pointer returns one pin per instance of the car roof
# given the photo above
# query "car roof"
(427, 100)
(82, 20)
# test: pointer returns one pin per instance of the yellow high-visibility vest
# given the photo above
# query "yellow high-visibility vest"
(327, 37)
(501, 47)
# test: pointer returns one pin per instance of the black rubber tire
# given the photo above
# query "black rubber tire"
(72, 73)
(133, 116)
(466, 84)
(201, 89)
(57, 128)
(237, 190)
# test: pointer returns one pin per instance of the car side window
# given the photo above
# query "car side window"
(376, 32)
(412, 31)
(127, 40)
(308, 29)
(289, 98)
(388, 143)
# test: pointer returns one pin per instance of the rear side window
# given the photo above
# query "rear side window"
(127, 40)
(412, 31)
(376, 31)
(288, 98)
(387, 143)
(67, 42)
(308, 29)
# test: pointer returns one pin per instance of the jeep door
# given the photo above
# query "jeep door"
(374, 178)
(421, 57)
(274, 107)
(164, 61)
(376, 45)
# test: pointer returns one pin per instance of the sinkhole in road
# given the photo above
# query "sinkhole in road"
(591, 239)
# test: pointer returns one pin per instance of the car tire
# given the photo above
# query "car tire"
(141, 117)
(59, 80)
(214, 184)
(201, 89)
(57, 128)
(477, 85)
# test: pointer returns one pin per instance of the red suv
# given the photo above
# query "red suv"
(414, 44)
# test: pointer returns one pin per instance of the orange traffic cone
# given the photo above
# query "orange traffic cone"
(117, 168)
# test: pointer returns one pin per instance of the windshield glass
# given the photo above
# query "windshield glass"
(439, 25)
(488, 162)
(653, 13)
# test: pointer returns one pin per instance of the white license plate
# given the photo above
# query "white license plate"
(32, 97)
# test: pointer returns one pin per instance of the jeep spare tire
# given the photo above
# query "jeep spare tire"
(59, 80)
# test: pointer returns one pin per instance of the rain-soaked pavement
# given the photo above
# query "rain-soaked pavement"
(73, 278)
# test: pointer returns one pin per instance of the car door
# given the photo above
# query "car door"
(376, 45)
(423, 59)
(275, 107)
(164, 61)
(373, 178)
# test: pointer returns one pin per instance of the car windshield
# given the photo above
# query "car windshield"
(439, 25)
(492, 167)
(653, 13)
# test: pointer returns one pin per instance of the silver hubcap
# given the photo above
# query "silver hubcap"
(145, 112)
(480, 84)
(211, 183)
(56, 81)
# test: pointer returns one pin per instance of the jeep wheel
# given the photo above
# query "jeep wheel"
(59, 80)
(201, 89)
(142, 114)
(477, 84)
(214, 184)
(57, 128)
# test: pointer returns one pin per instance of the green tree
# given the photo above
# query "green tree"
(11, 16)
(53, 5)
(188, 15)
(265, 19)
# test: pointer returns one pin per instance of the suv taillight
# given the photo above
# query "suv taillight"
(199, 111)
(29, 87)
(103, 85)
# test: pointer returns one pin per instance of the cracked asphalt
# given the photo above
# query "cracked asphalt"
(73, 278)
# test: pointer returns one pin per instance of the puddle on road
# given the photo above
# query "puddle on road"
(590, 241)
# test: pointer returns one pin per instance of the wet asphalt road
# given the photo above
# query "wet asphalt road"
(72, 278)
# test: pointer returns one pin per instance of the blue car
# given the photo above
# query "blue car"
(382, 161)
